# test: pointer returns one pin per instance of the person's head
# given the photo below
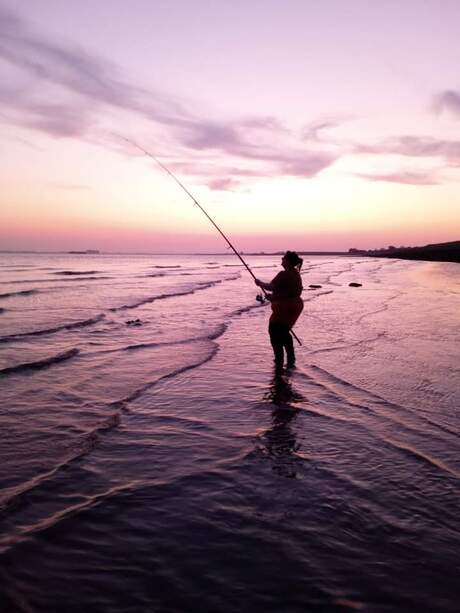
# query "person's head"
(291, 260)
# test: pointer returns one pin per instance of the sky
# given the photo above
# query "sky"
(295, 124)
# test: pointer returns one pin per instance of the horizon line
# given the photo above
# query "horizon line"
(61, 252)
(350, 251)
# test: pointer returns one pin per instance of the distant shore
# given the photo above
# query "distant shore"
(439, 252)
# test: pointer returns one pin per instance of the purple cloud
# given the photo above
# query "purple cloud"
(312, 132)
(408, 178)
(448, 100)
(264, 123)
(233, 140)
(63, 91)
(307, 165)
(210, 136)
(415, 146)
(223, 184)
(72, 71)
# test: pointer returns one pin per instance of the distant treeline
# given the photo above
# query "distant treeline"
(440, 252)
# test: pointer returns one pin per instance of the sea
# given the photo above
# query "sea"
(153, 461)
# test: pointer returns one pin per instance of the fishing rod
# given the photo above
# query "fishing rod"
(166, 169)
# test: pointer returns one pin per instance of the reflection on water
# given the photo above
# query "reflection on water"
(279, 440)
(281, 392)
(440, 276)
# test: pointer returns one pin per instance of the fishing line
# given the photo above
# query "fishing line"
(149, 154)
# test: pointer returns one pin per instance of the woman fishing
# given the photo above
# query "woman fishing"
(287, 305)
(286, 287)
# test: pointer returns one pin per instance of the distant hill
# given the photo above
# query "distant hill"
(439, 252)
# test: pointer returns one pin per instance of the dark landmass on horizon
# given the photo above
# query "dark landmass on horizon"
(437, 252)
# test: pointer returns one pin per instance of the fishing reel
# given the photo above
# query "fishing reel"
(260, 298)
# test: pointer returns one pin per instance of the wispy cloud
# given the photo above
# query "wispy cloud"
(314, 132)
(223, 184)
(408, 178)
(78, 78)
(415, 146)
(64, 90)
(447, 151)
(410, 146)
(22, 141)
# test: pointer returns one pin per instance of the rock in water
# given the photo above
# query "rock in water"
(355, 285)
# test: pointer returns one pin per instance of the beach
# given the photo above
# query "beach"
(153, 460)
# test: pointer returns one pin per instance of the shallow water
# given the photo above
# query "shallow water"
(151, 459)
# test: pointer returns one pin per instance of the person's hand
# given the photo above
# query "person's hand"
(258, 282)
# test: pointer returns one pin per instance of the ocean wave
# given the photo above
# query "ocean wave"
(75, 272)
(172, 266)
(210, 336)
(317, 294)
(370, 408)
(153, 274)
(329, 380)
(220, 329)
(252, 267)
(342, 346)
(81, 447)
(85, 279)
(136, 393)
(199, 286)
(425, 458)
(20, 494)
(23, 281)
(24, 292)
(248, 308)
(24, 533)
(384, 307)
(45, 362)
(77, 324)
(134, 305)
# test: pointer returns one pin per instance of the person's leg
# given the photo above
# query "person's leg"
(289, 346)
(276, 339)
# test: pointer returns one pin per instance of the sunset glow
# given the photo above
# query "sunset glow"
(296, 125)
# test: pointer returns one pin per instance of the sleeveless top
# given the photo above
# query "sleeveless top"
(287, 285)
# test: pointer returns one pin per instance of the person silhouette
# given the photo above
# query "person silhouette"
(287, 304)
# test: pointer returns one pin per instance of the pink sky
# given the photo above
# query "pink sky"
(296, 125)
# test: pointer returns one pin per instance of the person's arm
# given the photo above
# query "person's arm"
(263, 285)
(273, 285)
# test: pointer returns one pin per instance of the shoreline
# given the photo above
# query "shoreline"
(448, 252)
(438, 252)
